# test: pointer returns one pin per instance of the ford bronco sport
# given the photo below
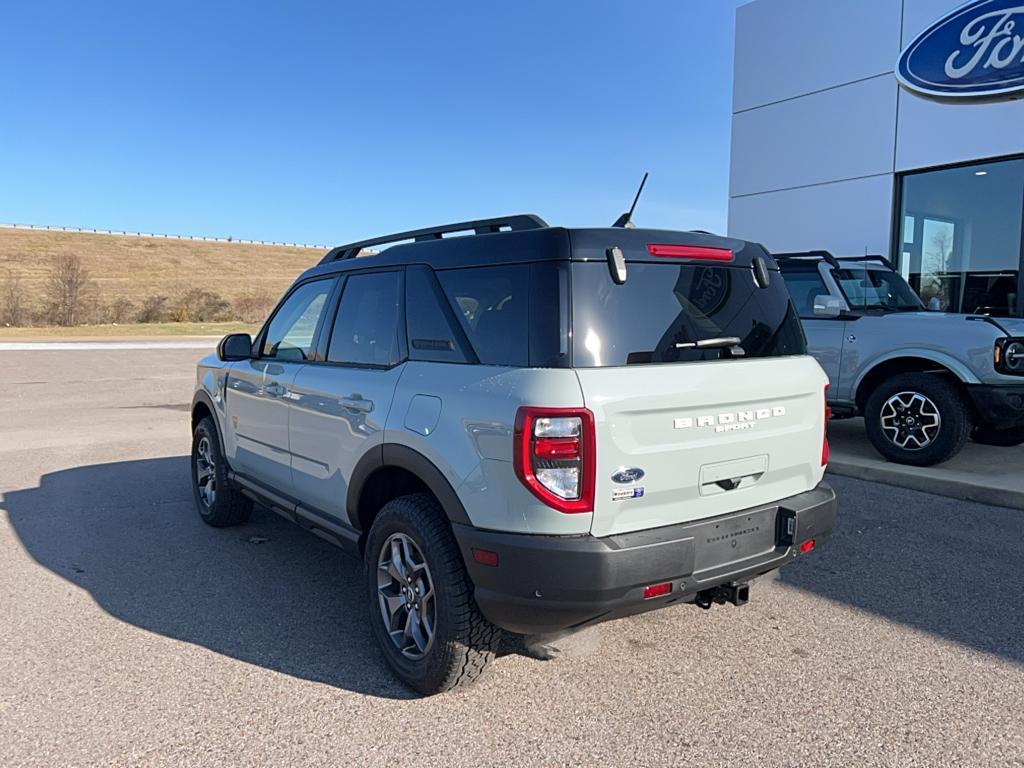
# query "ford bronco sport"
(525, 428)
(924, 381)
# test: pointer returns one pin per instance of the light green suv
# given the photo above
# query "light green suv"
(525, 428)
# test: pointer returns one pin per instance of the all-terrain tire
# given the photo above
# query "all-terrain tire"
(1002, 437)
(464, 642)
(942, 396)
(228, 506)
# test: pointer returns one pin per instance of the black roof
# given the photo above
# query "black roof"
(516, 239)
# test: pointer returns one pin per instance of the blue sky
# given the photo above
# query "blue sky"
(328, 122)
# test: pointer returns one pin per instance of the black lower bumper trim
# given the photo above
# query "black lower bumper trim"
(999, 407)
(550, 583)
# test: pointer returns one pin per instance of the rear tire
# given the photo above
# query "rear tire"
(219, 503)
(918, 419)
(1002, 437)
(461, 642)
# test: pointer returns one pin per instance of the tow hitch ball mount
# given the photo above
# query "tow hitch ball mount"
(735, 593)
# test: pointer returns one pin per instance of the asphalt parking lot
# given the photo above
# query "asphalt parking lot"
(131, 634)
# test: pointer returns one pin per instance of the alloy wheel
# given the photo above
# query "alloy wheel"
(405, 592)
(206, 474)
(910, 420)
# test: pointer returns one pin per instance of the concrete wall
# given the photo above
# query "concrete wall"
(821, 127)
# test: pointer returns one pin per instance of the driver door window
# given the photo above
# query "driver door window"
(292, 333)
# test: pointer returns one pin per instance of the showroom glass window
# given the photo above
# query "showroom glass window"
(960, 237)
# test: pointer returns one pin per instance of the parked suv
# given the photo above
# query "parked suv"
(525, 428)
(924, 381)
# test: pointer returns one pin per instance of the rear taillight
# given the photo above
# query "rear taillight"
(554, 456)
(689, 252)
(824, 441)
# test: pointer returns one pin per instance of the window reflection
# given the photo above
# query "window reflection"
(960, 237)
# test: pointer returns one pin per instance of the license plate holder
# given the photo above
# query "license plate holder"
(733, 539)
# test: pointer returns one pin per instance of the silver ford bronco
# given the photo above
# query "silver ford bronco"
(925, 382)
(525, 428)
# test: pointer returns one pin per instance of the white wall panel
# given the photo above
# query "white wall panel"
(787, 48)
(845, 217)
(932, 134)
(836, 134)
(918, 15)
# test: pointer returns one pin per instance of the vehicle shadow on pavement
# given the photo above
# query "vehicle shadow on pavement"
(267, 592)
(940, 565)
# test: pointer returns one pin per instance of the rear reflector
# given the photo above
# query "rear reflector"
(657, 590)
(807, 546)
(689, 252)
(486, 557)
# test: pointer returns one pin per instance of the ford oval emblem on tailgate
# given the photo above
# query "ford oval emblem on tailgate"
(628, 475)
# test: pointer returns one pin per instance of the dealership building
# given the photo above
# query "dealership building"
(891, 127)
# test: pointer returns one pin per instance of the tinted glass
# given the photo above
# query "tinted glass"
(366, 327)
(877, 289)
(429, 322)
(804, 285)
(293, 329)
(960, 237)
(662, 306)
(492, 304)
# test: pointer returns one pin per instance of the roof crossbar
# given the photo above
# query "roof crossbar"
(513, 223)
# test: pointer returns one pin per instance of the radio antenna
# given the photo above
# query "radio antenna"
(626, 219)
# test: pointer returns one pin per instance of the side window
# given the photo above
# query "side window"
(492, 304)
(804, 285)
(431, 334)
(293, 328)
(366, 327)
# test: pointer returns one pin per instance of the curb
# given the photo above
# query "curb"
(943, 482)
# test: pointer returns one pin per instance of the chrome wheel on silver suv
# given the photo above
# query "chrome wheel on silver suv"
(405, 592)
(218, 502)
(911, 420)
(206, 473)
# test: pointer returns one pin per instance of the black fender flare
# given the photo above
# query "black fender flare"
(396, 455)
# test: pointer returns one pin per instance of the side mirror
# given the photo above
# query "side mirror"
(828, 306)
(235, 346)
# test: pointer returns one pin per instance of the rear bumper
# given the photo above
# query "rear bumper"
(999, 407)
(549, 583)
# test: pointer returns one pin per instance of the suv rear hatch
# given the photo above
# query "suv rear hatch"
(685, 432)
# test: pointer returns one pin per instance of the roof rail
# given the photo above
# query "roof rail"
(823, 255)
(832, 260)
(513, 223)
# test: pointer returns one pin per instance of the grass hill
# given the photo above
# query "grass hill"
(128, 273)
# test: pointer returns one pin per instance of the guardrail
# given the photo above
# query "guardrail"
(85, 230)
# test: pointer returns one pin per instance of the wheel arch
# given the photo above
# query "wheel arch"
(202, 406)
(909, 361)
(395, 470)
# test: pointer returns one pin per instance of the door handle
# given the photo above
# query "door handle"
(357, 404)
(274, 389)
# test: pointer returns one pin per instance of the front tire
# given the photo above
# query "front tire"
(918, 419)
(422, 610)
(1005, 438)
(218, 502)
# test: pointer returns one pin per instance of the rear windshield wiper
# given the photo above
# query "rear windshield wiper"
(719, 343)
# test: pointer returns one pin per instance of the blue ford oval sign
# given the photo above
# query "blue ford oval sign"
(976, 51)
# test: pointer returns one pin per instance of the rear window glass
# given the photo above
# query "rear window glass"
(513, 315)
(663, 309)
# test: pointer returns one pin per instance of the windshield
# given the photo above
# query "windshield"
(674, 313)
(877, 289)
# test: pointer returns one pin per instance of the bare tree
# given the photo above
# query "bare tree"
(66, 290)
(12, 305)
